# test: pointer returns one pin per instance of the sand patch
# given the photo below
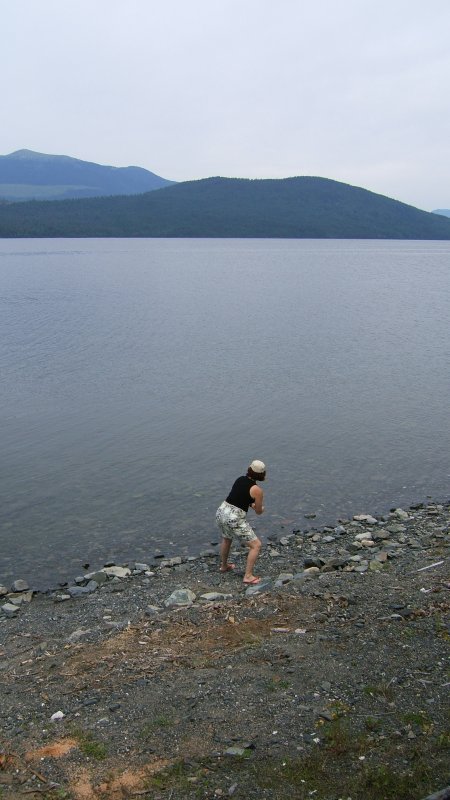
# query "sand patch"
(55, 750)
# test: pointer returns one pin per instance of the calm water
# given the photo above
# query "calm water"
(140, 377)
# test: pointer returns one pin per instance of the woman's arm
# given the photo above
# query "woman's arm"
(258, 495)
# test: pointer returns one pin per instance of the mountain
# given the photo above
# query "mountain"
(444, 212)
(302, 207)
(26, 175)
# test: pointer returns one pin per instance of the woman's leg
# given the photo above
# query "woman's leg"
(254, 546)
(224, 552)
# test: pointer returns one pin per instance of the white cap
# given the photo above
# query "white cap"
(258, 466)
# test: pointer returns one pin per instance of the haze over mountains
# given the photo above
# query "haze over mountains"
(298, 207)
(26, 175)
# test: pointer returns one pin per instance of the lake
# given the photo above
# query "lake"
(139, 377)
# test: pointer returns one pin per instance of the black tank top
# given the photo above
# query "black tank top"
(240, 493)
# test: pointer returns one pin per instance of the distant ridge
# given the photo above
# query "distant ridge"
(444, 212)
(26, 175)
(300, 207)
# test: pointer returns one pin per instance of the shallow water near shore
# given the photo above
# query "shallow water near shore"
(139, 378)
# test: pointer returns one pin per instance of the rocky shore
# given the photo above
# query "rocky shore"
(330, 679)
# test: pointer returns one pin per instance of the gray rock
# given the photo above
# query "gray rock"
(3, 591)
(259, 588)
(401, 514)
(313, 562)
(76, 635)
(116, 572)
(22, 597)
(10, 610)
(19, 586)
(284, 577)
(98, 577)
(180, 597)
(170, 562)
(395, 528)
(235, 751)
(78, 591)
(141, 567)
(153, 611)
(212, 596)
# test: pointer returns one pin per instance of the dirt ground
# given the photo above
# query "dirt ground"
(334, 687)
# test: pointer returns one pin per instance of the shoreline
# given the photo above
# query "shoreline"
(183, 681)
(154, 561)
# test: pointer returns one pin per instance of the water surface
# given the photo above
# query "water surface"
(139, 377)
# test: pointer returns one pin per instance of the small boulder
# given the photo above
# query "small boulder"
(19, 586)
(180, 597)
(116, 572)
(10, 610)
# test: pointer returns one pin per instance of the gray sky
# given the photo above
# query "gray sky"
(355, 90)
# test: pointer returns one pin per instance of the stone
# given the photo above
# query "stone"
(401, 514)
(235, 751)
(141, 567)
(259, 588)
(57, 716)
(21, 597)
(180, 597)
(335, 563)
(212, 596)
(78, 591)
(375, 566)
(98, 577)
(380, 535)
(365, 518)
(152, 611)
(311, 571)
(19, 586)
(393, 528)
(170, 562)
(76, 635)
(367, 543)
(116, 572)
(284, 577)
(3, 591)
(313, 562)
(10, 610)
(274, 553)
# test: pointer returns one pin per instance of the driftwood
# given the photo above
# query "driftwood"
(444, 794)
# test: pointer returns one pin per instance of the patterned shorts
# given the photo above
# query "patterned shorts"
(232, 521)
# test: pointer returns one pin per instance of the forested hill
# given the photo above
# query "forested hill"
(302, 207)
(26, 175)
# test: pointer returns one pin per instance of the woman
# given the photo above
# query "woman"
(231, 517)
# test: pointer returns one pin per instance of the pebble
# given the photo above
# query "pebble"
(212, 596)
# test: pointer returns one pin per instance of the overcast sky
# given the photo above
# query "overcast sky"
(355, 90)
